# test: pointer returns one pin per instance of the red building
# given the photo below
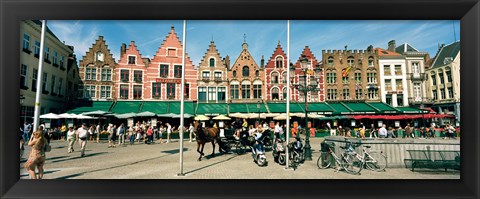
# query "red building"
(276, 75)
(314, 78)
(130, 81)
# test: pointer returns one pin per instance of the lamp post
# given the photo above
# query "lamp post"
(305, 89)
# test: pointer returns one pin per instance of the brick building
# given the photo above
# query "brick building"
(97, 72)
(212, 76)
(276, 75)
(312, 78)
(351, 75)
(130, 82)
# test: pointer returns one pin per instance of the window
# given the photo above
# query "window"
(123, 91)
(350, 61)
(434, 79)
(99, 56)
(34, 79)
(245, 91)
(416, 69)
(124, 75)
(186, 93)
(23, 75)
(60, 84)
(330, 61)
(105, 92)
(91, 74)
(346, 93)
(156, 89)
(388, 84)
(132, 59)
(440, 76)
(301, 80)
(274, 78)
(218, 76)
(163, 70)
(202, 94)
(137, 76)
(284, 77)
(62, 61)
(372, 93)
(234, 73)
(44, 83)
(106, 74)
(331, 94)
(212, 94)
(358, 77)
(26, 42)
(435, 95)
(137, 91)
(172, 52)
(177, 71)
(47, 54)
(89, 91)
(372, 77)
(257, 91)
(245, 71)
(171, 91)
(221, 93)
(370, 61)
(450, 92)
(275, 93)
(234, 91)
(449, 76)
(358, 94)
(386, 70)
(284, 93)
(205, 75)
(52, 89)
(279, 62)
(416, 92)
(398, 70)
(442, 93)
(37, 49)
(54, 58)
(400, 100)
(398, 85)
(257, 73)
(331, 78)
(212, 62)
(345, 80)
(388, 99)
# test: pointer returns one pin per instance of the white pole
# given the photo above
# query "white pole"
(182, 98)
(288, 93)
(36, 119)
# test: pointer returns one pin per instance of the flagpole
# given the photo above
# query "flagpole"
(36, 119)
(182, 99)
(288, 94)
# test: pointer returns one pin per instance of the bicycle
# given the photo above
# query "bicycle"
(345, 161)
(373, 160)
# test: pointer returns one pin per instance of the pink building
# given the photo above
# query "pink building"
(130, 81)
(276, 75)
(318, 96)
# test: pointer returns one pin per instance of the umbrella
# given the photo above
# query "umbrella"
(50, 116)
(202, 118)
(95, 113)
(311, 115)
(255, 115)
(84, 117)
(282, 116)
(167, 115)
(67, 115)
(297, 114)
(185, 115)
(221, 117)
(239, 115)
(146, 114)
(126, 115)
(271, 114)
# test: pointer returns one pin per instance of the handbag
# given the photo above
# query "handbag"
(47, 147)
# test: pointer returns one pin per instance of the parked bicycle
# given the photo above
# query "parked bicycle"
(345, 161)
(373, 160)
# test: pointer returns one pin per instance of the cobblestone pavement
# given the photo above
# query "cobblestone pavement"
(161, 161)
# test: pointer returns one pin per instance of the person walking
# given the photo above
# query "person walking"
(131, 135)
(382, 133)
(390, 133)
(112, 135)
(91, 132)
(277, 130)
(191, 132)
(82, 136)
(27, 127)
(37, 155)
(149, 135)
(70, 139)
(362, 130)
(98, 130)
(64, 132)
(121, 134)
(408, 131)
(169, 131)
(373, 131)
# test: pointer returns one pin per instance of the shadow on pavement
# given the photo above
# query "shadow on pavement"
(213, 164)
(174, 151)
(78, 157)
(44, 172)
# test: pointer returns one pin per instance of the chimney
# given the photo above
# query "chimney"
(123, 50)
(227, 61)
(262, 62)
(391, 45)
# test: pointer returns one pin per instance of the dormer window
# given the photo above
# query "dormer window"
(212, 62)
(245, 71)
(99, 56)
(279, 62)
(132, 59)
(448, 60)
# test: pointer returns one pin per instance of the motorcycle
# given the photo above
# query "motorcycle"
(296, 151)
(279, 152)
(258, 153)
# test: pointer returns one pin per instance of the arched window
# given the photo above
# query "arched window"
(274, 78)
(257, 73)
(330, 61)
(284, 93)
(246, 71)
(275, 93)
(284, 77)
(370, 61)
(350, 61)
(279, 62)
(234, 73)
(99, 56)
(212, 62)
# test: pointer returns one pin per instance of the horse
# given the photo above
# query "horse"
(213, 134)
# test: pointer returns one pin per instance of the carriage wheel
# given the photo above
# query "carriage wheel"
(240, 148)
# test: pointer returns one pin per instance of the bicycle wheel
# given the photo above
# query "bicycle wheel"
(352, 164)
(376, 161)
(324, 161)
(240, 148)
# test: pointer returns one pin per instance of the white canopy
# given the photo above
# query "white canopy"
(221, 117)
(50, 116)
(202, 118)
(146, 114)
(67, 115)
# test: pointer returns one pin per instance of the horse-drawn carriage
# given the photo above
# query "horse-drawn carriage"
(239, 146)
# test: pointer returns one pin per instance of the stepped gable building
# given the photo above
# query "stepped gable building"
(351, 75)
(393, 77)
(212, 76)
(276, 75)
(246, 78)
(313, 77)
(97, 71)
(165, 72)
(130, 82)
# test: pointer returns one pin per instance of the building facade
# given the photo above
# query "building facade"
(313, 77)
(164, 73)
(131, 72)
(212, 77)
(393, 78)
(276, 76)
(54, 78)
(443, 84)
(97, 72)
(246, 78)
(351, 75)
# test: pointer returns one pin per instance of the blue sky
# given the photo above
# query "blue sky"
(261, 36)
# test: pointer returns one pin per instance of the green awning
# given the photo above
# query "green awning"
(339, 108)
(92, 106)
(238, 108)
(212, 109)
(318, 108)
(282, 107)
(411, 110)
(174, 107)
(359, 108)
(127, 107)
(252, 108)
(155, 107)
(382, 107)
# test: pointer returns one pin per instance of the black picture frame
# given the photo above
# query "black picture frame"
(468, 11)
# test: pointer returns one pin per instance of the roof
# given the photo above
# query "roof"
(386, 53)
(447, 51)
(405, 48)
(38, 22)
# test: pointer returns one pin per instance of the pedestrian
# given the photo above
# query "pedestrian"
(382, 133)
(70, 139)
(340, 131)
(191, 132)
(91, 132)
(390, 133)
(362, 130)
(112, 135)
(277, 130)
(149, 135)
(408, 131)
(26, 130)
(251, 130)
(245, 124)
(36, 159)
(373, 131)
(98, 130)
(64, 132)
(121, 134)
(169, 131)
(161, 131)
(82, 135)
